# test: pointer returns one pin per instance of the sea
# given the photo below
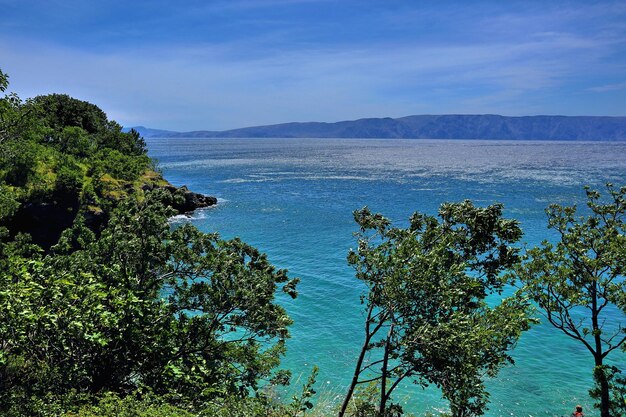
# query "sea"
(294, 198)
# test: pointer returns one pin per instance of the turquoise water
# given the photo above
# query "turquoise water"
(293, 199)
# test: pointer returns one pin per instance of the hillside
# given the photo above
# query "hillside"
(105, 309)
(61, 157)
(432, 127)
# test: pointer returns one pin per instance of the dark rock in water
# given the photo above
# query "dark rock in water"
(186, 201)
(44, 221)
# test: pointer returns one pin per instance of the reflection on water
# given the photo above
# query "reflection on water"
(293, 199)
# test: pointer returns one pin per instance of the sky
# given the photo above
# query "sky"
(215, 65)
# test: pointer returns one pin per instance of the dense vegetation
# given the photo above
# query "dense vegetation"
(99, 295)
(106, 310)
(61, 157)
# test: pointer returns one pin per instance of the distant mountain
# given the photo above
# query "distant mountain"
(147, 132)
(487, 126)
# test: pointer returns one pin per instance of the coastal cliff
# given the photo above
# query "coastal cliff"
(46, 219)
(64, 162)
(189, 201)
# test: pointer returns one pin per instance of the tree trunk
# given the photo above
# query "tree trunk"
(359, 363)
(599, 370)
(383, 384)
(600, 376)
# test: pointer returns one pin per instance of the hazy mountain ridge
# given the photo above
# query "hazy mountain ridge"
(431, 127)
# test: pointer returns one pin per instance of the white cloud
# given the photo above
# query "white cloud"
(225, 85)
(608, 88)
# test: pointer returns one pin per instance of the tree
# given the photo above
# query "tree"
(578, 282)
(15, 117)
(9, 109)
(184, 314)
(98, 294)
(617, 386)
(60, 111)
(427, 317)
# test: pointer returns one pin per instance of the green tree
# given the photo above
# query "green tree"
(60, 111)
(578, 282)
(8, 203)
(69, 182)
(17, 118)
(185, 314)
(427, 317)
(16, 159)
(10, 106)
(617, 387)
(119, 165)
(57, 112)
(76, 141)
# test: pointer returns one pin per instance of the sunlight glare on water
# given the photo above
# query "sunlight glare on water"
(293, 199)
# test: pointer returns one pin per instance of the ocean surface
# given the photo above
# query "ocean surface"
(293, 199)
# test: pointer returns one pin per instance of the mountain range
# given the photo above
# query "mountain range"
(487, 126)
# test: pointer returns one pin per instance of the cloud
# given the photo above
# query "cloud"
(207, 88)
(608, 88)
(539, 64)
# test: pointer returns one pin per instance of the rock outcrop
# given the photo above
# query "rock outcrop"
(44, 221)
(190, 200)
(184, 200)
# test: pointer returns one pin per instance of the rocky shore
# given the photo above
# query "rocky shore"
(44, 221)
(190, 200)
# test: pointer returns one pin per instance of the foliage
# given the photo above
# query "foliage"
(147, 404)
(579, 282)
(120, 166)
(69, 182)
(8, 203)
(18, 162)
(13, 118)
(617, 387)
(76, 126)
(60, 156)
(302, 403)
(426, 312)
(76, 141)
(184, 313)
(59, 111)
(112, 405)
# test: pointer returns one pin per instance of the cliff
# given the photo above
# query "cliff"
(64, 160)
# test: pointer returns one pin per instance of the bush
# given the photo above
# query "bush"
(129, 143)
(17, 163)
(75, 141)
(60, 110)
(69, 182)
(119, 165)
(111, 405)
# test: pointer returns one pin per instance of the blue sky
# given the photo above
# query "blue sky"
(217, 65)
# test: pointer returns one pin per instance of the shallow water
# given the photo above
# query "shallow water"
(293, 199)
